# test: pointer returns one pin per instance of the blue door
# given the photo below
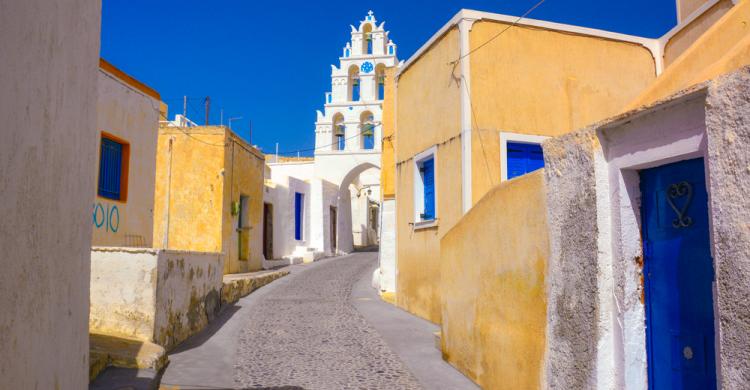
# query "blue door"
(298, 210)
(524, 158)
(678, 272)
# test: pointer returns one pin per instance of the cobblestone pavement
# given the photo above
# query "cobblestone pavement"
(309, 336)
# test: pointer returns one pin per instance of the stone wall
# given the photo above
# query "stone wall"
(162, 296)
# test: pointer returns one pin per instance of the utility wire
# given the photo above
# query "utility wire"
(320, 147)
(498, 34)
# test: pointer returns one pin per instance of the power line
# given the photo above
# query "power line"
(498, 34)
(321, 147)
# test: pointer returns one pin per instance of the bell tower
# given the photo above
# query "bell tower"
(350, 121)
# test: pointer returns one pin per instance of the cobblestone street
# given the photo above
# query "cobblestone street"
(310, 331)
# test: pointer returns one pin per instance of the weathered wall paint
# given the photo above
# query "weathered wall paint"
(722, 48)
(687, 7)
(244, 170)
(494, 306)
(677, 44)
(49, 61)
(132, 115)
(193, 201)
(161, 296)
(544, 82)
(387, 156)
(595, 318)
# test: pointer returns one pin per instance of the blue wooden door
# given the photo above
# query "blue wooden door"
(523, 158)
(678, 272)
(298, 210)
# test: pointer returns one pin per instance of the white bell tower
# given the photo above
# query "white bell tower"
(352, 115)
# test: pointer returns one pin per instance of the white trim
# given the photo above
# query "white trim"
(464, 27)
(419, 186)
(514, 137)
(651, 44)
(664, 39)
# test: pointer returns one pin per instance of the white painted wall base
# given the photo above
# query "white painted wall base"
(387, 256)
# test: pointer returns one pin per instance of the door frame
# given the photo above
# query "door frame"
(267, 233)
(652, 139)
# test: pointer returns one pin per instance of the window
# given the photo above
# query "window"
(425, 194)
(346, 53)
(299, 208)
(520, 154)
(339, 132)
(113, 168)
(355, 90)
(390, 50)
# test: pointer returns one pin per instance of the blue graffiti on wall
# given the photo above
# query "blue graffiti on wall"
(108, 218)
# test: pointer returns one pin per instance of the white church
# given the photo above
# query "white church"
(333, 199)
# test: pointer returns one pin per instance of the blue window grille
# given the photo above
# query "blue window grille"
(523, 158)
(110, 169)
(427, 170)
(298, 208)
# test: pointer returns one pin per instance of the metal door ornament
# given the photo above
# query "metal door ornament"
(677, 191)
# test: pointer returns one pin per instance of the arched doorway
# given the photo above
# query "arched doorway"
(358, 207)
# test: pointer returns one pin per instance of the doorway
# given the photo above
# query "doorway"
(268, 231)
(334, 247)
(678, 276)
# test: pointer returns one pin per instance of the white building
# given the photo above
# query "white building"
(348, 138)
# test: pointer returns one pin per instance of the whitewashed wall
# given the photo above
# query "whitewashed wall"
(49, 56)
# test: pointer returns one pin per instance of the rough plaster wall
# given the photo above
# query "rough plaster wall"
(691, 32)
(572, 312)
(123, 292)
(48, 66)
(188, 294)
(131, 115)
(728, 130)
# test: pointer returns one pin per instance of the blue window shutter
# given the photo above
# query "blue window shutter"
(523, 158)
(110, 169)
(297, 216)
(428, 178)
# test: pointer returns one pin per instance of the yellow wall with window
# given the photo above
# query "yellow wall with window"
(532, 81)
(195, 209)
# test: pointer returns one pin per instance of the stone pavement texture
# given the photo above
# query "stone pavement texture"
(306, 331)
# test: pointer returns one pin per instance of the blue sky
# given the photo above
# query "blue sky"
(269, 61)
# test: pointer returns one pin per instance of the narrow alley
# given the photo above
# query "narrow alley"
(321, 327)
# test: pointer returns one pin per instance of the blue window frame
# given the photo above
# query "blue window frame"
(298, 213)
(523, 158)
(427, 171)
(111, 169)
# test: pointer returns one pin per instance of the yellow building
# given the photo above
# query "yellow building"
(209, 194)
(128, 114)
(475, 257)
(462, 107)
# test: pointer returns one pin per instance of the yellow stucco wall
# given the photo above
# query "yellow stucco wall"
(189, 189)
(494, 306)
(543, 82)
(244, 169)
(724, 47)
(427, 114)
(126, 113)
(688, 35)
(194, 202)
(387, 158)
